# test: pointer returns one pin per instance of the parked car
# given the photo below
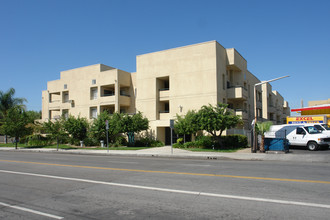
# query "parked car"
(323, 128)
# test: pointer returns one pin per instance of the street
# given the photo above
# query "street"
(67, 186)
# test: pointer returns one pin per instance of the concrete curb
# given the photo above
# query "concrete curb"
(188, 155)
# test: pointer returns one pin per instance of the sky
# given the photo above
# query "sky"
(41, 38)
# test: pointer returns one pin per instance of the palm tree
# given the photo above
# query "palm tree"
(7, 101)
(262, 128)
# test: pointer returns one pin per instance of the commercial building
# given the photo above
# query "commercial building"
(318, 111)
(166, 83)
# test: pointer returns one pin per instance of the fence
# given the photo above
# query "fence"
(3, 139)
(244, 132)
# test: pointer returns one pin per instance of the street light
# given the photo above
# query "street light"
(254, 123)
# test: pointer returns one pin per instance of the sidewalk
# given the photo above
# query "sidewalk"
(166, 152)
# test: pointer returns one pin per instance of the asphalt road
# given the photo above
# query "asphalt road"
(63, 186)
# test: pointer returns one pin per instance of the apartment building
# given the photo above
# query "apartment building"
(87, 91)
(166, 83)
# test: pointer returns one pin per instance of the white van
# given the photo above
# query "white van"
(323, 128)
(300, 135)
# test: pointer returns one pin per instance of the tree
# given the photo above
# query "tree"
(15, 123)
(55, 130)
(262, 128)
(133, 124)
(217, 118)
(34, 123)
(7, 101)
(98, 128)
(187, 124)
(115, 126)
(33, 115)
(76, 127)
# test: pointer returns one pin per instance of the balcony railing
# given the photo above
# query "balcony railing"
(164, 89)
(164, 95)
(237, 92)
(241, 112)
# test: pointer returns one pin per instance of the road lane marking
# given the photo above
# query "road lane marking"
(30, 210)
(170, 172)
(277, 201)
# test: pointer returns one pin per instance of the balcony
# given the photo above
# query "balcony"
(124, 100)
(237, 92)
(67, 105)
(164, 115)
(271, 109)
(55, 104)
(241, 112)
(107, 99)
(164, 94)
(235, 60)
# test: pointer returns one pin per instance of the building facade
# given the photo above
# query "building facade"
(166, 83)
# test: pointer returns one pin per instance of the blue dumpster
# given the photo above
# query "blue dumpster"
(276, 144)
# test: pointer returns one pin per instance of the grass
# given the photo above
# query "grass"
(69, 147)
(113, 148)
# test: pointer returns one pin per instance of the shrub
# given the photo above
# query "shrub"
(38, 140)
(177, 145)
(91, 142)
(119, 141)
(234, 141)
(148, 142)
(207, 142)
(189, 144)
(204, 142)
(179, 140)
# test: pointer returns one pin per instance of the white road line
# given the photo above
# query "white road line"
(286, 202)
(30, 210)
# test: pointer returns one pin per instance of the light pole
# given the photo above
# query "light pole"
(255, 142)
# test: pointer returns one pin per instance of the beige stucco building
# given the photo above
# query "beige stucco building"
(166, 83)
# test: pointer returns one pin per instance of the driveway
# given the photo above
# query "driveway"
(303, 150)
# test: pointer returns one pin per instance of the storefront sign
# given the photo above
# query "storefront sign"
(308, 119)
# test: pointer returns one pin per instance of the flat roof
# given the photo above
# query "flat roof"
(317, 107)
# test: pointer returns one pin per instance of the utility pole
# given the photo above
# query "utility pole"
(255, 141)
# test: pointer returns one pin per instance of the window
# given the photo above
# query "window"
(163, 83)
(93, 93)
(65, 86)
(108, 92)
(93, 81)
(65, 97)
(167, 107)
(300, 131)
(93, 112)
(65, 113)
